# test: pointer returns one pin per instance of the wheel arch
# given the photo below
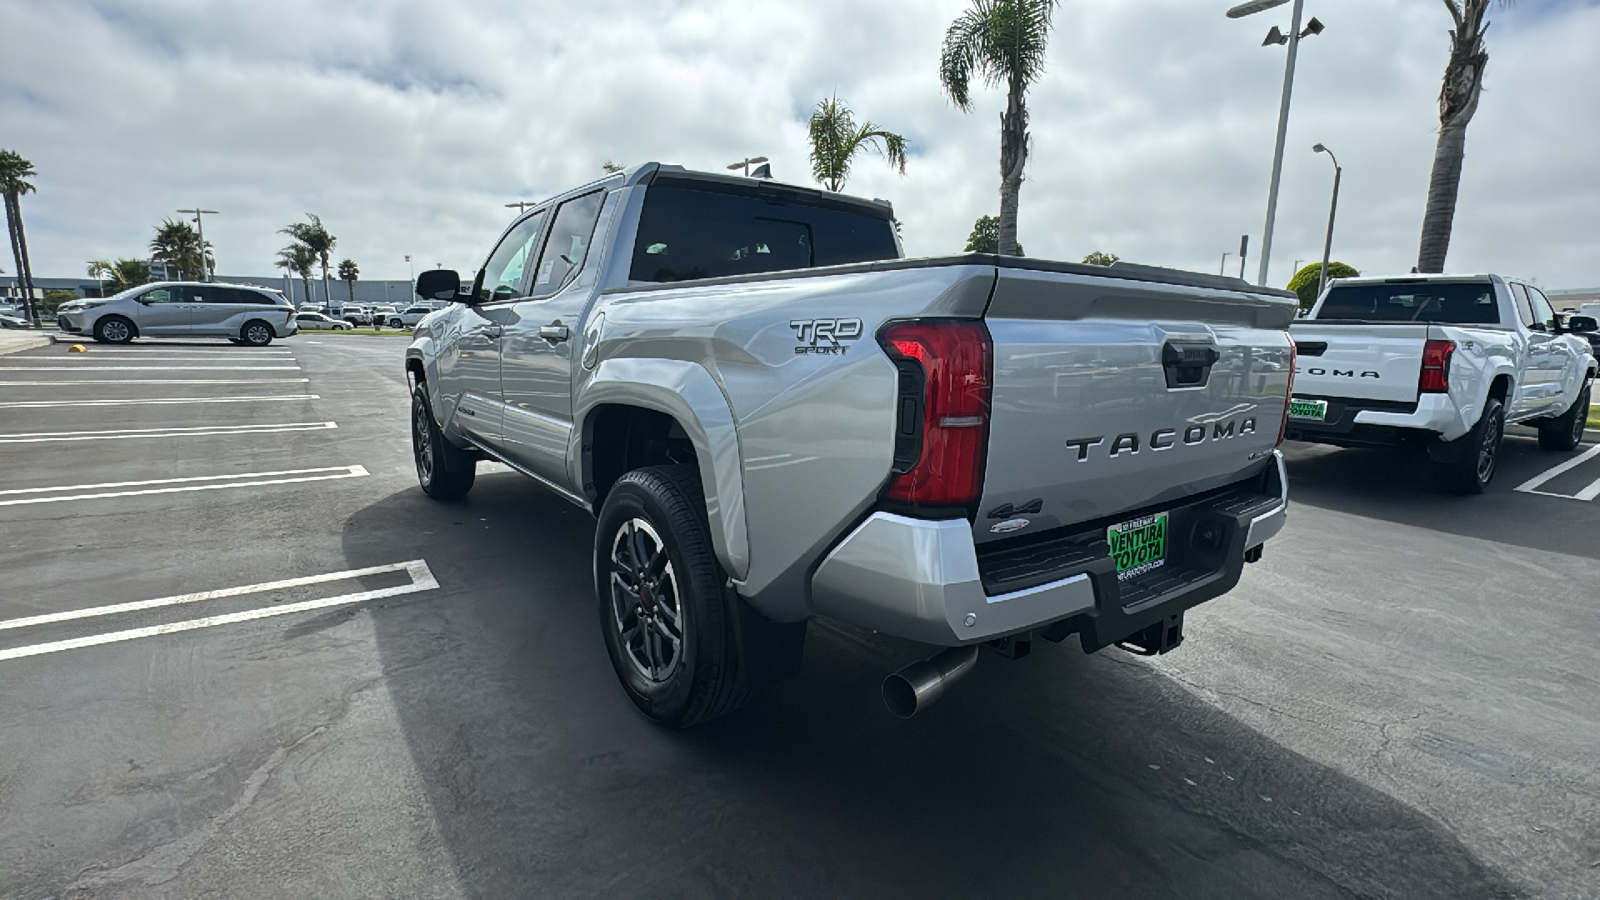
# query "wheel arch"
(637, 412)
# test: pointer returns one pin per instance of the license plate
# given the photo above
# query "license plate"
(1308, 410)
(1139, 545)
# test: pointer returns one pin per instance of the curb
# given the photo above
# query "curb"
(27, 343)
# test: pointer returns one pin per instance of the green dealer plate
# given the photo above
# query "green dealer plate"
(1308, 410)
(1139, 545)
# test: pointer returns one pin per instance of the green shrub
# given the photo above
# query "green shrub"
(1305, 281)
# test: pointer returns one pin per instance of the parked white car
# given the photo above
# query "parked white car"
(410, 317)
(1442, 363)
(312, 321)
(242, 313)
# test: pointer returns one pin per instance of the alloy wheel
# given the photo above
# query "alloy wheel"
(115, 331)
(1489, 450)
(421, 446)
(646, 605)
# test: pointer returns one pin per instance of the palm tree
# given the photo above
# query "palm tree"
(318, 240)
(299, 259)
(14, 174)
(349, 272)
(122, 273)
(177, 243)
(1458, 101)
(1100, 258)
(1002, 42)
(836, 139)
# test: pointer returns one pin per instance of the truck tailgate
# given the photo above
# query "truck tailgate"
(1102, 403)
(1360, 361)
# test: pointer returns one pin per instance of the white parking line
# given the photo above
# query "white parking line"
(39, 437)
(1589, 493)
(421, 580)
(218, 482)
(84, 358)
(6, 368)
(4, 382)
(146, 401)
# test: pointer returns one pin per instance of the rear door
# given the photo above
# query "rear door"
(1550, 358)
(213, 309)
(163, 312)
(541, 333)
(1111, 395)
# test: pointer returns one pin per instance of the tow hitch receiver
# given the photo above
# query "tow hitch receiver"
(1162, 637)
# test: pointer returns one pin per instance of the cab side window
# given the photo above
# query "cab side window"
(568, 244)
(1543, 313)
(1524, 309)
(503, 275)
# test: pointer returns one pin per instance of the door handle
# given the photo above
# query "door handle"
(554, 333)
(492, 331)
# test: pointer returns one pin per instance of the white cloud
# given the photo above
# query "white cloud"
(407, 125)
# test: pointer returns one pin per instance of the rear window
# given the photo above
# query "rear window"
(712, 231)
(1447, 303)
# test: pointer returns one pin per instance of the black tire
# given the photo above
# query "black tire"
(256, 333)
(1565, 432)
(114, 330)
(444, 471)
(1479, 455)
(707, 674)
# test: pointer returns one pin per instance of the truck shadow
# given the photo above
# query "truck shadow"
(1396, 487)
(1058, 775)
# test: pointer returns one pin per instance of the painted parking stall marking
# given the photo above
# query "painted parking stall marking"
(421, 579)
(122, 368)
(64, 493)
(126, 381)
(1590, 492)
(116, 434)
(149, 401)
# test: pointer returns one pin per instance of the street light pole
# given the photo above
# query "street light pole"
(1222, 266)
(1277, 151)
(1333, 207)
(521, 205)
(747, 162)
(200, 226)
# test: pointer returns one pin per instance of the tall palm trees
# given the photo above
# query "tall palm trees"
(299, 259)
(178, 244)
(349, 272)
(14, 174)
(1001, 42)
(836, 139)
(1458, 100)
(314, 236)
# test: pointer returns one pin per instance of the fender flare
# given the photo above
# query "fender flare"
(686, 392)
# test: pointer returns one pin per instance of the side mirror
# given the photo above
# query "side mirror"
(438, 284)
(1582, 324)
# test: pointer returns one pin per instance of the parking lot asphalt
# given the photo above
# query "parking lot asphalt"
(241, 655)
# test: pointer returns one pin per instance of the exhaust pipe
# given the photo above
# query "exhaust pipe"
(916, 686)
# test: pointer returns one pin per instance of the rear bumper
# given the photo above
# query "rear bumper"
(925, 581)
(1360, 423)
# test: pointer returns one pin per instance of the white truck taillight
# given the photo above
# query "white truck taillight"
(943, 410)
(1435, 378)
(1288, 396)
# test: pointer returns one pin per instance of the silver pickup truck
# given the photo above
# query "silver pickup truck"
(773, 417)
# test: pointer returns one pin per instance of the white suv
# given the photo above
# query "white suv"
(242, 313)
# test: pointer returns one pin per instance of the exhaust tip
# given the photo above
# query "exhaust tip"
(899, 696)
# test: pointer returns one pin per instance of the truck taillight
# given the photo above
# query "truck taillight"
(943, 405)
(1435, 378)
(1288, 391)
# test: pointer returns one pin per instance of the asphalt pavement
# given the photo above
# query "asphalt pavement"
(241, 655)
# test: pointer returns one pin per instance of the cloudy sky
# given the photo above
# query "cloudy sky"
(408, 125)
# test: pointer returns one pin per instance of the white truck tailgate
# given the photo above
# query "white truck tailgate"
(1357, 361)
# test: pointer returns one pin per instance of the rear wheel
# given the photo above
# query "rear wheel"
(1474, 468)
(670, 624)
(444, 471)
(113, 330)
(1565, 432)
(256, 333)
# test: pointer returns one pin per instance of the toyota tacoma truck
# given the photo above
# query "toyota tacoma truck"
(774, 417)
(1441, 364)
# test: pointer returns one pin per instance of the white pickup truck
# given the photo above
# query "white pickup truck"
(1442, 363)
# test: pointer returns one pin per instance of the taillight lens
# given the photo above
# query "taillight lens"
(1435, 377)
(1288, 396)
(953, 358)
